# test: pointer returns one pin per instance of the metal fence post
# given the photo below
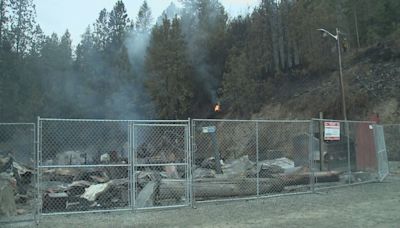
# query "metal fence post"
(311, 156)
(35, 155)
(192, 160)
(133, 166)
(187, 161)
(131, 173)
(348, 150)
(38, 162)
(257, 162)
(399, 140)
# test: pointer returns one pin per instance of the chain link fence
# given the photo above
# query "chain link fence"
(161, 165)
(107, 165)
(17, 172)
(110, 165)
(83, 166)
(381, 152)
(247, 159)
(392, 140)
(351, 151)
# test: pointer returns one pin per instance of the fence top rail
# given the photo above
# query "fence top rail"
(17, 124)
(393, 124)
(343, 121)
(204, 120)
(83, 166)
(109, 120)
(253, 121)
(159, 125)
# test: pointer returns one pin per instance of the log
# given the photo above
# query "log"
(304, 178)
(233, 187)
(329, 176)
(218, 187)
(237, 187)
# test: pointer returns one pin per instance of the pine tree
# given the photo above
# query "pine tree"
(101, 31)
(240, 89)
(84, 52)
(144, 19)
(204, 24)
(38, 39)
(118, 24)
(65, 47)
(117, 54)
(3, 21)
(169, 72)
(22, 20)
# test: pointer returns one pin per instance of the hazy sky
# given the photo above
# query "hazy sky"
(75, 15)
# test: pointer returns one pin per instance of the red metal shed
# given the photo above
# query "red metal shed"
(365, 146)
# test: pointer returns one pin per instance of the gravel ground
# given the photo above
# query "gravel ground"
(368, 205)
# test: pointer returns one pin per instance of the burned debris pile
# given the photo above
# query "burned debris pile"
(240, 177)
(86, 188)
(108, 185)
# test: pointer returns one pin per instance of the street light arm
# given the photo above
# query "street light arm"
(326, 32)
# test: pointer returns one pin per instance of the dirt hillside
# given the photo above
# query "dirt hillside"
(372, 84)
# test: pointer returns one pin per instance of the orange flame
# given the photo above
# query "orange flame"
(217, 107)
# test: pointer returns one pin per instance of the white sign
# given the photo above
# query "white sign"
(332, 131)
(210, 129)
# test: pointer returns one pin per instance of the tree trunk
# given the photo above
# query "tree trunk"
(18, 35)
(217, 188)
(296, 54)
(356, 24)
(223, 187)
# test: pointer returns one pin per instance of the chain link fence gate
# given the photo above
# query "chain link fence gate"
(83, 166)
(17, 173)
(161, 165)
(351, 151)
(381, 152)
(239, 159)
(392, 139)
(112, 165)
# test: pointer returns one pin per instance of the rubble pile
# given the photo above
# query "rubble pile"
(109, 187)
(73, 189)
(241, 176)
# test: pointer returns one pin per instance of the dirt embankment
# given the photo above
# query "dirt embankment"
(372, 82)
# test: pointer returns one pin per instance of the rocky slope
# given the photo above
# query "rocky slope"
(372, 85)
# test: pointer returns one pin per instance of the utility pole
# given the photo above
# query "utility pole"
(341, 75)
(337, 38)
